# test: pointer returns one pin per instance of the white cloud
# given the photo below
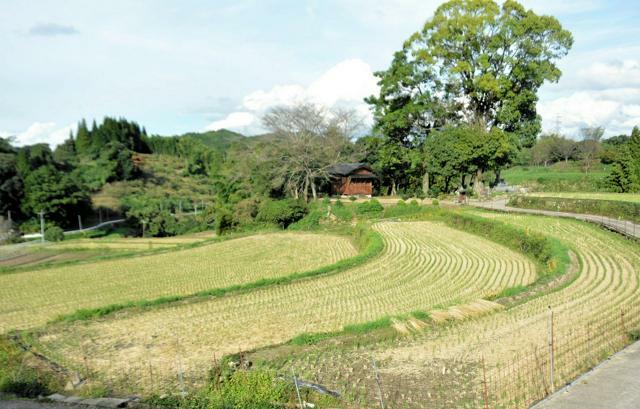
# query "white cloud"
(615, 74)
(603, 93)
(345, 84)
(235, 120)
(590, 108)
(42, 132)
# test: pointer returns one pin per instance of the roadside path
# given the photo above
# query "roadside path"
(624, 227)
(614, 384)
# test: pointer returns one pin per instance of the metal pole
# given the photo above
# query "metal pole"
(9, 216)
(485, 389)
(375, 369)
(100, 216)
(295, 382)
(41, 226)
(79, 222)
(551, 352)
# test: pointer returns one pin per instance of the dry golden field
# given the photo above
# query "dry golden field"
(31, 298)
(424, 266)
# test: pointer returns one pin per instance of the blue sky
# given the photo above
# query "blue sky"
(191, 65)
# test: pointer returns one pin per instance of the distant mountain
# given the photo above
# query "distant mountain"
(219, 140)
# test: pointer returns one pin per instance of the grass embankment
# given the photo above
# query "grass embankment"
(20, 374)
(608, 208)
(557, 177)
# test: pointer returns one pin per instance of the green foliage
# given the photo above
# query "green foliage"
(369, 207)
(435, 203)
(92, 141)
(560, 177)
(608, 208)
(455, 152)
(56, 193)
(281, 212)
(54, 233)
(402, 209)
(625, 172)
(223, 221)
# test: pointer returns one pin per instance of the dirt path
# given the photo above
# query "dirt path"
(614, 384)
(624, 227)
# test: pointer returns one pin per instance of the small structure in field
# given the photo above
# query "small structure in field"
(351, 179)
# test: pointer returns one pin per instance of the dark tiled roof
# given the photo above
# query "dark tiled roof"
(345, 169)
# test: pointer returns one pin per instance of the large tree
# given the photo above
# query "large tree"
(475, 62)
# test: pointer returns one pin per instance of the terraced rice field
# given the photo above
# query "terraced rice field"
(31, 298)
(423, 265)
(127, 244)
(588, 326)
(620, 197)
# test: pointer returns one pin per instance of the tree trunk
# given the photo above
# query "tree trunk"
(393, 187)
(497, 179)
(305, 191)
(425, 184)
(478, 185)
(313, 189)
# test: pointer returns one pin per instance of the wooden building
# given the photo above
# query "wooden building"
(351, 179)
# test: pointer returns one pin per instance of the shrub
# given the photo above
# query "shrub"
(54, 233)
(281, 212)
(435, 203)
(249, 390)
(224, 221)
(369, 207)
(353, 198)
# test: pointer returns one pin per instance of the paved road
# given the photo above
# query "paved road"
(614, 384)
(32, 404)
(621, 226)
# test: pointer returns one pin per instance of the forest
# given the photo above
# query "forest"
(452, 113)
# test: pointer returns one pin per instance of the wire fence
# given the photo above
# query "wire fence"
(513, 380)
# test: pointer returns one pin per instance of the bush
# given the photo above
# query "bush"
(281, 212)
(435, 203)
(369, 207)
(353, 198)
(54, 233)
(224, 221)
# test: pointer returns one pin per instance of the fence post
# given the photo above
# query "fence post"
(624, 330)
(485, 389)
(295, 382)
(551, 351)
(375, 370)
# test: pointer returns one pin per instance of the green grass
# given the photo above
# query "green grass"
(557, 177)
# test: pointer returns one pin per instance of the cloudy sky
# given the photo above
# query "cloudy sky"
(192, 65)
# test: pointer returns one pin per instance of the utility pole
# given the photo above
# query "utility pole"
(41, 226)
(551, 352)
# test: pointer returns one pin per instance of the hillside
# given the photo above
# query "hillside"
(163, 177)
